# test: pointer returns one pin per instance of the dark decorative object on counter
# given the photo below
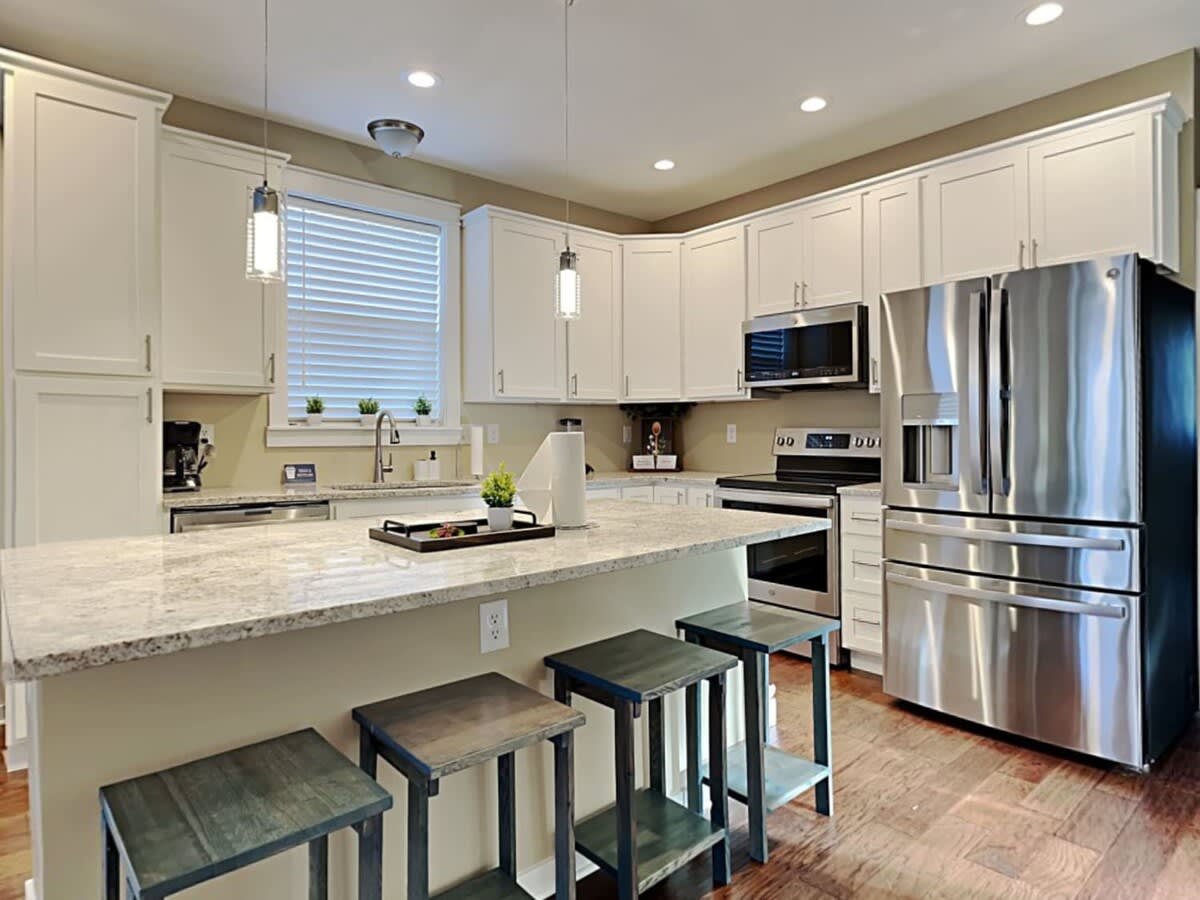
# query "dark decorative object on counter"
(657, 433)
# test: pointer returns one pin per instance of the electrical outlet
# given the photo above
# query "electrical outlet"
(731, 434)
(207, 433)
(626, 435)
(493, 626)
(493, 434)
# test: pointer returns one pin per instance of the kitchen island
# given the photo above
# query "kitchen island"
(142, 653)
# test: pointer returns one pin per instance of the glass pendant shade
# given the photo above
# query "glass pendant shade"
(567, 295)
(264, 235)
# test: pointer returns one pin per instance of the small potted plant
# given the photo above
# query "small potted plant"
(497, 492)
(315, 407)
(422, 407)
(368, 409)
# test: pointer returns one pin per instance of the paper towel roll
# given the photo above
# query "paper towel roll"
(477, 451)
(568, 485)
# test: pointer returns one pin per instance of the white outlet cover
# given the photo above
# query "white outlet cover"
(493, 626)
(493, 434)
(731, 434)
(208, 435)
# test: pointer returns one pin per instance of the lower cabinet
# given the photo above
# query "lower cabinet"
(398, 507)
(701, 496)
(642, 493)
(604, 493)
(670, 494)
(862, 575)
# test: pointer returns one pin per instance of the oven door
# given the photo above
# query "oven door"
(799, 572)
(821, 348)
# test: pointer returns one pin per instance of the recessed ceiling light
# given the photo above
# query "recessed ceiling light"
(1043, 14)
(422, 79)
(813, 104)
(665, 165)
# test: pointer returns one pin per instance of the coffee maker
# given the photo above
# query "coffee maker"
(185, 456)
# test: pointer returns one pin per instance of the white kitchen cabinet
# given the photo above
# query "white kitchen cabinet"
(604, 493)
(976, 215)
(594, 339)
(774, 263)
(714, 308)
(86, 454)
(701, 496)
(861, 578)
(833, 265)
(218, 326)
(397, 507)
(640, 493)
(651, 322)
(670, 494)
(81, 165)
(891, 253)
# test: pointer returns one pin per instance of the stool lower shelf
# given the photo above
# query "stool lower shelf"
(493, 885)
(668, 836)
(787, 776)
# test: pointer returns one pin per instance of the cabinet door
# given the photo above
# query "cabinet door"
(1091, 193)
(651, 320)
(670, 495)
(86, 459)
(775, 263)
(891, 253)
(85, 286)
(832, 236)
(700, 496)
(976, 215)
(218, 326)
(714, 308)
(642, 493)
(594, 339)
(529, 341)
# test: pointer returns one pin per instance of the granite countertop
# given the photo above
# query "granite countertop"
(79, 605)
(870, 489)
(444, 488)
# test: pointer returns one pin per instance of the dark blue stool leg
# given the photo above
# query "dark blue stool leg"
(691, 702)
(564, 816)
(718, 785)
(752, 666)
(627, 875)
(658, 747)
(318, 868)
(111, 863)
(418, 841)
(507, 789)
(822, 743)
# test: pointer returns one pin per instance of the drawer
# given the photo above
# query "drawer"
(643, 493)
(862, 622)
(862, 564)
(862, 515)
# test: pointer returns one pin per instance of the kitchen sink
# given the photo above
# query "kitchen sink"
(368, 486)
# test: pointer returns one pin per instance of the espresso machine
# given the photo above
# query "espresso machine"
(185, 456)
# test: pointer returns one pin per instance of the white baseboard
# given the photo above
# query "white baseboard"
(30, 890)
(16, 756)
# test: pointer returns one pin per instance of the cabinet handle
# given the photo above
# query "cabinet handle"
(149, 355)
(626, 384)
(795, 293)
(874, 371)
(500, 390)
(272, 376)
(575, 385)
(804, 293)
(863, 517)
(1021, 254)
(1033, 253)
(739, 381)
(150, 405)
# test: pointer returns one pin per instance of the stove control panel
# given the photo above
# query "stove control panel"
(828, 442)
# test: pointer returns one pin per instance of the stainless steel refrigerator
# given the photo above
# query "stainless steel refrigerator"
(1040, 485)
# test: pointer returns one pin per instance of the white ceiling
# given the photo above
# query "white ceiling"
(713, 84)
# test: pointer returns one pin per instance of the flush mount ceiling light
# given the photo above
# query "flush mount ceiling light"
(813, 104)
(665, 165)
(265, 241)
(1043, 14)
(422, 79)
(395, 136)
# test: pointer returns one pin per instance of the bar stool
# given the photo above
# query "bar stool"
(646, 836)
(437, 732)
(762, 776)
(177, 828)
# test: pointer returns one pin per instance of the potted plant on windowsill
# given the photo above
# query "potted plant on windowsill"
(498, 491)
(315, 407)
(368, 409)
(422, 407)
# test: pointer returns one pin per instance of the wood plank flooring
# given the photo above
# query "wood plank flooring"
(925, 809)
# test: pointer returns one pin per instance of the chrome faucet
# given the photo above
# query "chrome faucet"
(394, 438)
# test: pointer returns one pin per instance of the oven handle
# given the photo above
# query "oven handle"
(775, 498)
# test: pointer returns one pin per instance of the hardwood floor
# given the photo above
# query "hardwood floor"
(923, 809)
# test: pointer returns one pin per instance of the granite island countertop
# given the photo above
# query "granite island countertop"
(83, 604)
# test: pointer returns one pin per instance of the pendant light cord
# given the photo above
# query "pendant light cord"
(567, 4)
(266, 59)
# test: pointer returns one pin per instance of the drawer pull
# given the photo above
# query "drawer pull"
(863, 517)
(864, 621)
(869, 565)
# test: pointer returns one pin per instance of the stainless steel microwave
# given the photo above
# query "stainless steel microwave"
(824, 347)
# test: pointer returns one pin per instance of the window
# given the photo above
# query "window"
(364, 308)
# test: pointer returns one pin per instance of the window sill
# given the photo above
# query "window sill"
(351, 434)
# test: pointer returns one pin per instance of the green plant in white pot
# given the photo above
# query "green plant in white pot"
(422, 407)
(315, 407)
(498, 491)
(368, 409)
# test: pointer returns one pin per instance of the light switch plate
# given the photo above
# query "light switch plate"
(493, 626)
(207, 435)
(493, 434)
(731, 434)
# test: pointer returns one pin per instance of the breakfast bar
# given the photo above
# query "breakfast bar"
(144, 653)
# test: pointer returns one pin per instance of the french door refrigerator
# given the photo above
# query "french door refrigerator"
(1040, 485)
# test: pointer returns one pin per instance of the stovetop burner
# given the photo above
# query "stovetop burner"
(816, 461)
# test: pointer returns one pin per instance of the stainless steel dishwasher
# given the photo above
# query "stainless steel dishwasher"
(242, 515)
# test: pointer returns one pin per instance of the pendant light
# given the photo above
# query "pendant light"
(265, 243)
(567, 292)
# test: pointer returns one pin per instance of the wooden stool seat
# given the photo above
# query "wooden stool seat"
(759, 775)
(186, 825)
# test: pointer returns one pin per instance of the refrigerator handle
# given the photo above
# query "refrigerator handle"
(999, 368)
(977, 422)
(1049, 604)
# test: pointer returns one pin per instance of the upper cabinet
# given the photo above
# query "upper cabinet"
(81, 165)
(218, 326)
(714, 308)
(891, 253)
(651, 321)
(833, 263)
(774, 263)
(594, 339)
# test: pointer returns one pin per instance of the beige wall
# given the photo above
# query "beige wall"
(1176, 74)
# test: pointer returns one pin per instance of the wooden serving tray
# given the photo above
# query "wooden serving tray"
(417, 535)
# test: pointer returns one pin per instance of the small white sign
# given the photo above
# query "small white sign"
(643, 462)
(666, 461)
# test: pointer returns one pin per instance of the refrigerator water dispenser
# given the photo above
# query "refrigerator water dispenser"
(930, 440)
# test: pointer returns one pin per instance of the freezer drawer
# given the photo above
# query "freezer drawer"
(1091, 556)
(1057, 665)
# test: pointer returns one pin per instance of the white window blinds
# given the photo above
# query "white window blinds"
(364, 304)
